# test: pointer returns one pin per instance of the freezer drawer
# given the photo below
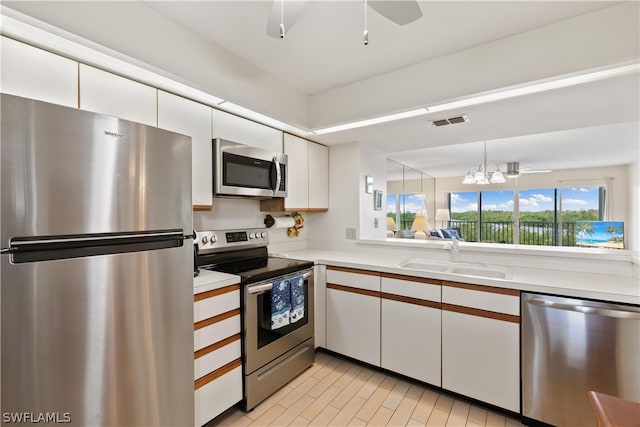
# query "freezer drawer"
(570, 347)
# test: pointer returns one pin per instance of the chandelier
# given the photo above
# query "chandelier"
(482, 174)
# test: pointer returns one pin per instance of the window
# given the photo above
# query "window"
(543, 216)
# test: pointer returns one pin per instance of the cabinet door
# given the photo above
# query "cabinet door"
(318, 176)
(481, 358)
(411, 340)
(297, 150)
(353, 325)
(107, 93)
(237, 129)
(191, 118)
(37, 74)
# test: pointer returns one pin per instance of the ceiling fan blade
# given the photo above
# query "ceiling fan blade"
(402, 12)
(292, 9)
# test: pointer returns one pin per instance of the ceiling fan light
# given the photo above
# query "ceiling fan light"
(479, 176)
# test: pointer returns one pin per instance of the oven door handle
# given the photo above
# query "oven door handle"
(259, 289)
(307, 274)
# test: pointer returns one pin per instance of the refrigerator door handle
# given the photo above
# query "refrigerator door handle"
(18, 242)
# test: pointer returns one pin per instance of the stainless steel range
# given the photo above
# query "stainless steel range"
(277, 307)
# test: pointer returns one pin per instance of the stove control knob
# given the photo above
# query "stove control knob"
(251, 235)
(205, 239)
(263, 234)
(213, 239)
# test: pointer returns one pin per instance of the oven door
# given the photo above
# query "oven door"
(265, 338)
(241, 170)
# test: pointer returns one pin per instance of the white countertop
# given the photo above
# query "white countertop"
(209, 280)
(605, 287)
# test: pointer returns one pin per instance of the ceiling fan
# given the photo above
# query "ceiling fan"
(513, 170)
(284, 13)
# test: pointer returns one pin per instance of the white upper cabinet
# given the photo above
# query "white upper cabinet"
(107, 93)
(297, 151)
(318, 177)
(308, 178)
(237, 129)
(191, 118)
(37, 74)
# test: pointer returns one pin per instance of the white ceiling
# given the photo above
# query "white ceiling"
(594, 124)
(324, 50)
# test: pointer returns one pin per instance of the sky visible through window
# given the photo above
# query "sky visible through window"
(573, 199)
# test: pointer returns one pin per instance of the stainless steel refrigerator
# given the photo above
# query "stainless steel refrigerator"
(96, 269)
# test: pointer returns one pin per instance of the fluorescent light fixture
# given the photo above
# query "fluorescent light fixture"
(541, 86)
(261, 118)
(362, 123)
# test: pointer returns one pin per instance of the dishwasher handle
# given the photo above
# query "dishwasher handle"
(587, 309)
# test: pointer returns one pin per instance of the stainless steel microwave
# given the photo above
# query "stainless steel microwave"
(243, 171)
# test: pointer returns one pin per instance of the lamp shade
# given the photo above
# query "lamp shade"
(391, 224)
(443, 215)
(420, 222)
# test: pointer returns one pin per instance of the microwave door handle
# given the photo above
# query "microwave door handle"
(276, 164)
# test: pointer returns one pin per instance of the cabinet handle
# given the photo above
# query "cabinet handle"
(586, 309)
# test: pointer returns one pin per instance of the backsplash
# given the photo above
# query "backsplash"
(245, 213)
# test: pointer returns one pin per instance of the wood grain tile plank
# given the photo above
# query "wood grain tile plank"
(293, 411)
(395, 397)
(269, 402)
(477, 416)
(371, 385)
(425, 406)
(348, 411)
(298, 392)
(320, 403)
(373, 403)
(459, 414)
(403, 412)
(389, 382)
(381, 417)
(415, 391)
(324, 383)
(355, 421)
(299, 422)
(495, 420)
(441, 411)
(415, 423)
(349, 391)
(269, 416)
(324, 417)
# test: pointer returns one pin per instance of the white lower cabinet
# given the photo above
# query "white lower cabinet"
(411, 327)
(217, 352)
(353, 314)
(480, 347)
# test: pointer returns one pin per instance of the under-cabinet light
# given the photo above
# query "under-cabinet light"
(368, 122)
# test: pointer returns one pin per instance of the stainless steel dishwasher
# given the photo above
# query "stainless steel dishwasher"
(572, 346)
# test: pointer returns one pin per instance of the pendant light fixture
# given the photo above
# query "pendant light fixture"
(482, 175)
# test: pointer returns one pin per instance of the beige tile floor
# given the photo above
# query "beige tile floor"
(336, 392)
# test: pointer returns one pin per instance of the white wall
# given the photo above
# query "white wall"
(328, 230)
(373, 162)
(633, 222)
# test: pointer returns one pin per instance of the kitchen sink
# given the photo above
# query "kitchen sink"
(425, 264)
(466, 269)
(481, 271)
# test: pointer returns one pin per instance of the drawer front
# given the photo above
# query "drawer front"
(214, 398)
(482, 300)
(411, 288)
(354, 279)
(215, 305)
(216, 332)
(216, 359)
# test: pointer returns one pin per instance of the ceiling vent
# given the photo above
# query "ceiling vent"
(451, 121)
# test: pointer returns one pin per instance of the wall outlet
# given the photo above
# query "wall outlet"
(351, 233)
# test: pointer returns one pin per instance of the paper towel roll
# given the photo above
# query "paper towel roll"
(283, 222)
